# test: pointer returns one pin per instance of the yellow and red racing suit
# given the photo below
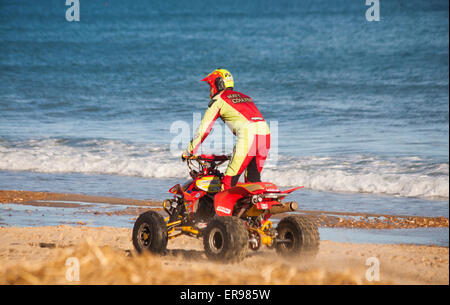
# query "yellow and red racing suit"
(240, 114)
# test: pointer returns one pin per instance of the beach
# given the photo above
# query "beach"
(95, 114)
(38, 255)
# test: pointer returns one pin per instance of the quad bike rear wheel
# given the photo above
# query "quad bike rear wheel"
(150, 233)
(226, 239)
(298, 236)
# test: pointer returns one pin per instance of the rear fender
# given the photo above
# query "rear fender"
(224, 201)
(291, 190)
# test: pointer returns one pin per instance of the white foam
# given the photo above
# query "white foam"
(103, 157)
(407, 176)
(410, 177)
(339, 181)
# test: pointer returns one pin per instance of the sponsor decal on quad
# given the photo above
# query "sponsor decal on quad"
(224, 210)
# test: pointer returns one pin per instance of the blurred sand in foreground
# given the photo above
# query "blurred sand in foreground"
(38, 255)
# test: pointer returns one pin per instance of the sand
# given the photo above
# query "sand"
(52, 199)
(105, 255)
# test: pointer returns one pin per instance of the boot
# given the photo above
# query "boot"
(226, 183)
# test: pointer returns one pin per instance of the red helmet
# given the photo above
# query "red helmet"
(219, 80)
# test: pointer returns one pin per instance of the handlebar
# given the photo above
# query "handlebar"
(208, 158)
(207, 163)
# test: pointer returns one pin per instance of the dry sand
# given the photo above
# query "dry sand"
(38, 255)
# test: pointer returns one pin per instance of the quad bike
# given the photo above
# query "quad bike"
(231, 221)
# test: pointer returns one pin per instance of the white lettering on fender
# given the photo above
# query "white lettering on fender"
(223, 210)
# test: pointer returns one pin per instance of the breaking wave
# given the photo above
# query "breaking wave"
(401, 176)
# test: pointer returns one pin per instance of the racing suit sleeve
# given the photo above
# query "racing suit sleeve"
(209, 118)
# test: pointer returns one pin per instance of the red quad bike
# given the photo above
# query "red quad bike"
(230, 222)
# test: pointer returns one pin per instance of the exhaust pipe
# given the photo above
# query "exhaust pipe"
(284, 207)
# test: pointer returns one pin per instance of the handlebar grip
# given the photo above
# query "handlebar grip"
(185, 157)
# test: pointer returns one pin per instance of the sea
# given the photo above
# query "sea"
(358, 109)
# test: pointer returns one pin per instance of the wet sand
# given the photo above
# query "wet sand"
(53, 199)
(38, 255)
(327, 219)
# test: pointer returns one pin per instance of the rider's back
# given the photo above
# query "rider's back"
(239, 112)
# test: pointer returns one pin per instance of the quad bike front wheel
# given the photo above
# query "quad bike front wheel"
(226, 239)
(150, 233)
(297, 236)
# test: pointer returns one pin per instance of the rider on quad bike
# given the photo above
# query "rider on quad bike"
(230, 217)
(239, 113)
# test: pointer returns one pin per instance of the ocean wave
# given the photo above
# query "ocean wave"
(375, 183)
(401, 176)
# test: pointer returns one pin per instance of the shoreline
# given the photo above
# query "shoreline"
(134, 207)
(51, 199)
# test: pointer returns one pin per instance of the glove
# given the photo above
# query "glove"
(185, 155)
